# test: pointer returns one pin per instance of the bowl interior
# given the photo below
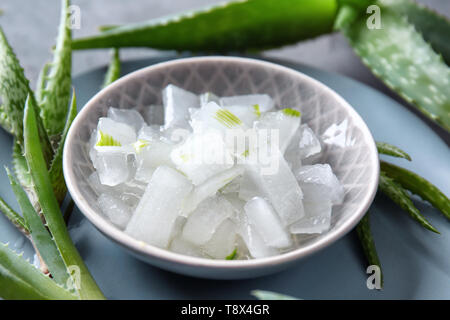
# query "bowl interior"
(348, 144)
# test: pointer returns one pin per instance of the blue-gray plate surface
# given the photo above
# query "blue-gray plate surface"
(416, 262)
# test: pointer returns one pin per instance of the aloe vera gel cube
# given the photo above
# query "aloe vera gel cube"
(263, 101)
(115, 209)
(204, 221)
(177, 102)
(267, 223)
(129, 117)
(161, 204)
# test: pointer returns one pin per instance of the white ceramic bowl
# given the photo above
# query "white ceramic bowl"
(348, 147)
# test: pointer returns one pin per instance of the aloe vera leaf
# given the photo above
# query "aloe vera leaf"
(40, 235)
(43, 187)
(55, 94)
(4, 122)
(418, 185)
(113, 72)
(41, 81)
(398, 195)
(14, 88)
(21, 280)
(20, 166)
(56, 171)
(367, 242)
(405, 62)
(434, 27)
(234, 25)
(16, 219)
(390, 150)
(269, 295)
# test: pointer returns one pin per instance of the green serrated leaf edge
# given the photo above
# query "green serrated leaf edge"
(55, 92)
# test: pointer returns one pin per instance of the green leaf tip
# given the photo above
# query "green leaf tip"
(399, 196)
(291, 112)
(232, 255)
(269, 295)
(227, 118)
(391, 150)
(55, 85)
(106, 140)
(113, 72)
(418, 185)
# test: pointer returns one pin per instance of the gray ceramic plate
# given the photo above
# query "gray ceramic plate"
(348, 147)
(415, 261)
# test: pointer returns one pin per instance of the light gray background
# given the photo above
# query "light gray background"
(31, 27)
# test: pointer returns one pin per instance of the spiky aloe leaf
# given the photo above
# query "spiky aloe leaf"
(113, 72)
(234, 25)
(42, 79)
(14, 89)
(269, 295)
(20, 280)
(393, 151)
(55, 93)
(418, 185)
(367, 242)
(4, 122)
(397, 194)
(40, 235)
(434, 27)
(56, 171)
(15, 218)
(50, 207)
(405, 62)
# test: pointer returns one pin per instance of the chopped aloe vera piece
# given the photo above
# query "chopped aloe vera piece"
(223, 241)
(207, 97)
(131, 118)
(286, 123)
(161, 204)
(316, 220)
(309, 144)
(150, 155)
(280, 187)
(204, 221)
(115, 210)
(264, 101)
(210, 187)
(177, 102)
(247, 115)
(202, 156)
(181, 246)
(211, 116)
(112, 165)
(319, 183)
(119, 132)
(253, 240)
(267, 223)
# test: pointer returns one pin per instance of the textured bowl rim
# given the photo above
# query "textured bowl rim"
(142, 248)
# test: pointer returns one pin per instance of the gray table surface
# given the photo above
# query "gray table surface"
(31, 29)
